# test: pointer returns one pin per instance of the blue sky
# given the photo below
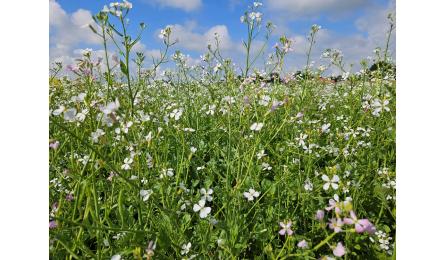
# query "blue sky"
(354, 26)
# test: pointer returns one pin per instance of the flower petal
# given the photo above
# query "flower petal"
(196, 208)
(339, 250)
(326, 186)
(348, 221)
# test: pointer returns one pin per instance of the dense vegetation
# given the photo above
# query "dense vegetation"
(205, 162)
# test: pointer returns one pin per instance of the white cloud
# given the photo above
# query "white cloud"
(354, 47)
(69, 30)
(375, 23)
(191, 40)
(186, 5)
(305, 8)
(371, 32)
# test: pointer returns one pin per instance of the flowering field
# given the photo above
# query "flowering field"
(208, 163)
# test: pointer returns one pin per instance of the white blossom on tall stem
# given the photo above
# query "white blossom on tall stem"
(251, 194)
(166, 173)
(186, 248)
(176, 113)
(206, 194)
(145, 194)
(127, 164)
(96, 135)
(203, 210)
(256, 126)
(301, 139)
(330, 182)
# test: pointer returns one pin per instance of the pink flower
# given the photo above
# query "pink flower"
(246, 100)
(339, 250)
(336, 225)
(54, 145)
(69, 197)
(302, 244)
(286, 228)
(110, 178)
(361, 225)
(334, 204)
(72, 68)
(319, 215)
(55, 206)
(52, 224)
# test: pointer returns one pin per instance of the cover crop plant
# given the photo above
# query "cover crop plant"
(205, 162)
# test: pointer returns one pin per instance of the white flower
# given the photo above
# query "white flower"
(229, 99)
(79, 98)
(266, 167)
(149, 161)
(256, 126)
(70, 114)
(330, 182)
(117, 13)
(264, 100)
(217, 67)
(84, 160)
(211, 110)
(127, 4)
(379, 106)
(116, 257)
(186, 248)
(260, 154)
(87, 51)
(166, 173)
(256, 4)
(164, 33)
(117, 237)
(59, 111)
(191, 130)
(301, 139)
(308, 185)
(127, 126)
(176, 113)
(127, 162)
(251, 194)
(255, 16)
(325, 128)
(299, 115)
(149, 137)
(105, 9)
(95, 135)
(203, 211)
(80, 117)
(242, 19)
(110, 107)
(145, 194)
(206, 194)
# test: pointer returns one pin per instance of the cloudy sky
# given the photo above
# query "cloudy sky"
(355, 27)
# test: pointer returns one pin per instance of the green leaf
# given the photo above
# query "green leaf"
(121, 207)
(92, 29)
(124, 68)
